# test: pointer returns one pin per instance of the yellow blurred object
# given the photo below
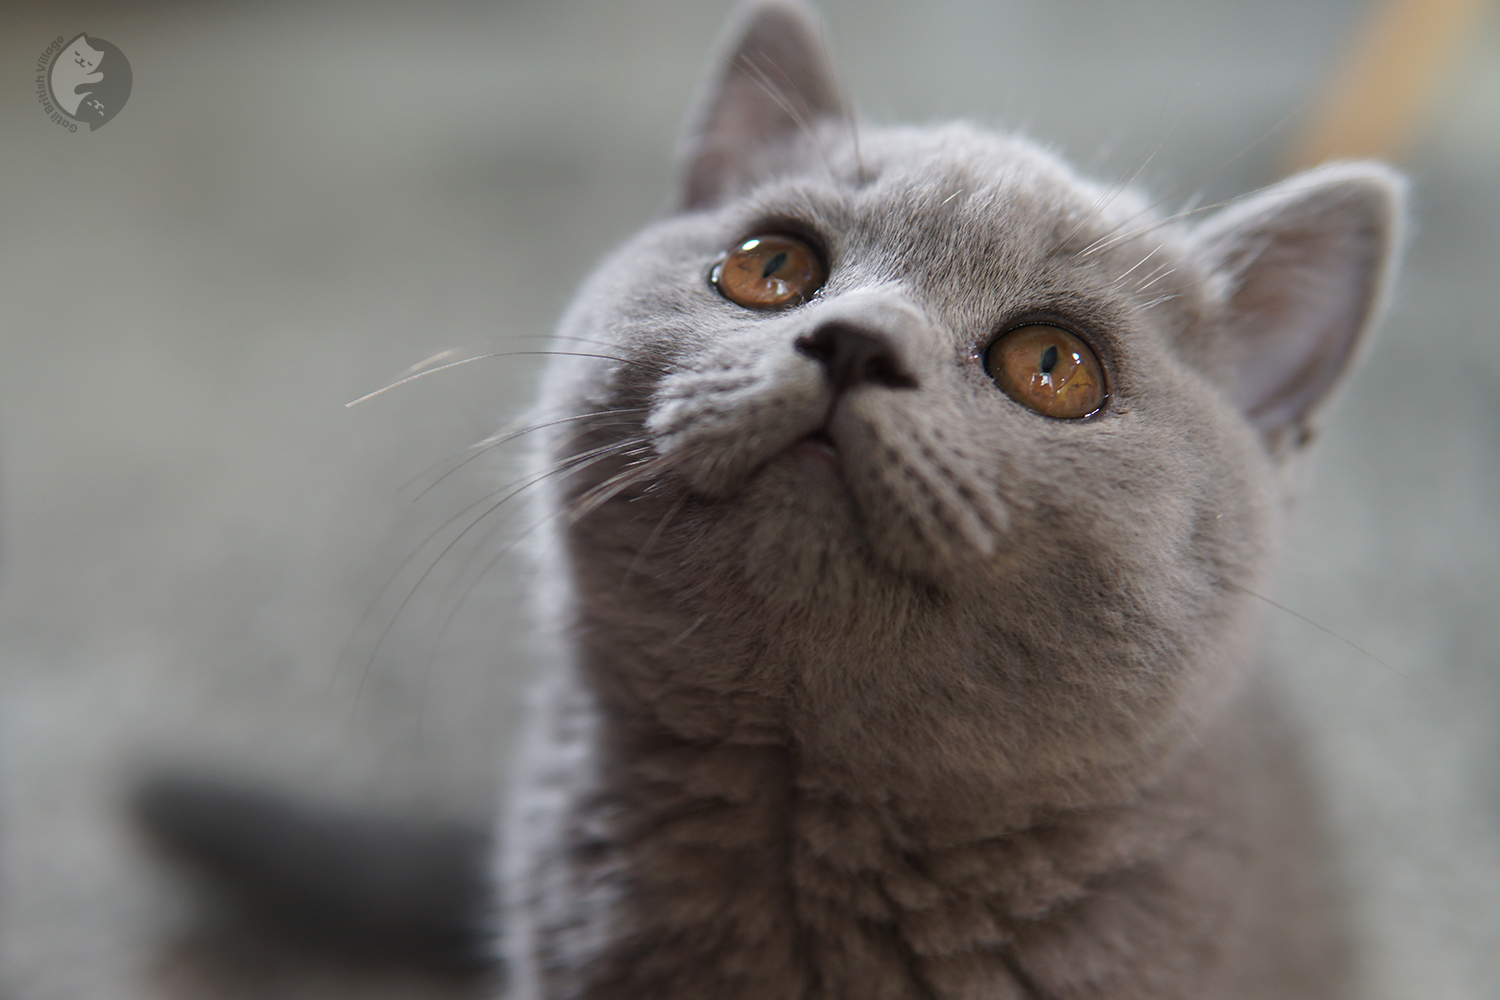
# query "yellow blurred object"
(1373, 107)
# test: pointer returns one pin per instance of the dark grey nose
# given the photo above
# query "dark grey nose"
(851, 356)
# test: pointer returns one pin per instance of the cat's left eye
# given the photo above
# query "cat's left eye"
(774, 271)
(1048, 370)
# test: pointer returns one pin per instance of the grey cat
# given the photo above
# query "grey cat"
(910, 494)
(908, 501)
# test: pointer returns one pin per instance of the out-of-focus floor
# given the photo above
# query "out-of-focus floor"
(301, 200)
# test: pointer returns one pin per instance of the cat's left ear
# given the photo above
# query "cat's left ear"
(1307, 263)
(769, 79)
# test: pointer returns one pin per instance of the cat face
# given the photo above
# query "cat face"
(83, 56)
(831, 463)
(938, 244)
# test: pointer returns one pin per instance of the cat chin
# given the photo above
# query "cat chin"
(812, 526)
(793, 533)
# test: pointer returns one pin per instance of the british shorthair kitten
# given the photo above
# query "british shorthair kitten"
(911, 495)
(908, 501)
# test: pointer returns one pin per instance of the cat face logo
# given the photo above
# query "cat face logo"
(86, 80)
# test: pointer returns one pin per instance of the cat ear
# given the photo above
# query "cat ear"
(769, 79)
(1307, 263)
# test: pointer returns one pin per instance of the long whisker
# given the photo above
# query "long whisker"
(1168, 271)
(1187, 213)
(582, 459)
(851, 118)
(395, 575)
(1121, 279)
(1108, 241)
(775, 93)
(421, 374)
(495, 441)
(610, 488)
(432, 360)
(1317, 625)
(691, 628)
(651, 540)
(1120, 187)
(593, 457)
(516, 428)
(551, 337)
(482, 444)
(463, 571)
(1158, 301)
(599, 495)
(502, 354)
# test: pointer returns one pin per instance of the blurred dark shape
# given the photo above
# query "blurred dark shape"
(384, 889)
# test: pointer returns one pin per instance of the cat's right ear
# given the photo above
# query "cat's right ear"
(769, 79)
(1306, 265)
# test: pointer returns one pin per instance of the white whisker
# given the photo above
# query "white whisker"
(421, 374)
(501, 354)
(1121, 279)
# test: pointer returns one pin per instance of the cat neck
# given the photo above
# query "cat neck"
(785, 875)
(887, 697)
(884, 732)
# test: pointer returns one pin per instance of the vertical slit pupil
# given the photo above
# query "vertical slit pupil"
(773, 265)
(1049, 360)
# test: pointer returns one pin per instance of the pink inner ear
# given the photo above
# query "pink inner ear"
(1309, 259)
(1300, 320)
(769, 81)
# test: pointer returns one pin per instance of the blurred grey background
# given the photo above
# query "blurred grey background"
(301, 200)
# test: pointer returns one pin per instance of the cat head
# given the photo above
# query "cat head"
(926, 435)
(83, 55)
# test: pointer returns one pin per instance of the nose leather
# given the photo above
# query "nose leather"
(853, 356)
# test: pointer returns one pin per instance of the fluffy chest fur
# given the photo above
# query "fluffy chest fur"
(876, 679)
(670, 868)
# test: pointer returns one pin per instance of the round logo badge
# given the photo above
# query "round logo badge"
(85, 81)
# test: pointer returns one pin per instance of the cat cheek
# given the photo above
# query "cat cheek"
(929, 502)
(724, 419)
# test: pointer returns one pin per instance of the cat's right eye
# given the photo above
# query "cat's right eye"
(774, 271)
(1048, 370)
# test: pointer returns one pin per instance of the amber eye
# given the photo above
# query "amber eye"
(769, 272)
(1047, 369)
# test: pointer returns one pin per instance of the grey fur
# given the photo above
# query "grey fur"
(974, 715)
